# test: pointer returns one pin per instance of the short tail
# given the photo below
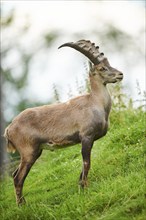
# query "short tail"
(10, 146)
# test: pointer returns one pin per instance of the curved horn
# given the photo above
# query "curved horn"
(88, 49)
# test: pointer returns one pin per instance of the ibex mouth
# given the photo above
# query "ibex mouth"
(120, 76)
(119, 79)
(87, 48)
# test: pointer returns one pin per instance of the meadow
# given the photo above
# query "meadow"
(116, 188)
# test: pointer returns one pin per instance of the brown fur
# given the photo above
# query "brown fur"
(83, 119)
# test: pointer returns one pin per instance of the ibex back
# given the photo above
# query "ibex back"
(83, 119)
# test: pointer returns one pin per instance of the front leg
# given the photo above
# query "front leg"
(87, 144)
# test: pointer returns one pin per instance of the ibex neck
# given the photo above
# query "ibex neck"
(100, 94)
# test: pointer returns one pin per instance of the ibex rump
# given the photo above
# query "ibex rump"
(83, 119)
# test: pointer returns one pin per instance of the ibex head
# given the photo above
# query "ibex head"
(100, 69)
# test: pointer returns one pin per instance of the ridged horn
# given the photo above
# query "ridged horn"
(87, 48)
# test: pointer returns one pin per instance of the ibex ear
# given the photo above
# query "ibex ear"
(91, 68)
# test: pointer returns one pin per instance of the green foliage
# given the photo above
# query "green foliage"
(56, 93)
(116, 179)
(15, 73)
(49, 37)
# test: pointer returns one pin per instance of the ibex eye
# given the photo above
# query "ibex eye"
(102, 69)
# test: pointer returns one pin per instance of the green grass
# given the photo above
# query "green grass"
(116, 179)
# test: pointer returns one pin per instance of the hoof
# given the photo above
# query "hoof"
(21, 201)
(83, 183)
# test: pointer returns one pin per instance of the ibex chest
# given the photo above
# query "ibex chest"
(100, 123)
(101, 129)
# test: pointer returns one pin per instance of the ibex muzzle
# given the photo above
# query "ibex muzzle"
(83, 119)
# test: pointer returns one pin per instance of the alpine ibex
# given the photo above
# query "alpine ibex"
(83, 119)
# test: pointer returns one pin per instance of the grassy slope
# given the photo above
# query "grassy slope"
(116, 179)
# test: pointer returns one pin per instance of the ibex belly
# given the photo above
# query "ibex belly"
(67, 141)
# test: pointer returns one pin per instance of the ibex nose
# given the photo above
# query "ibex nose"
(120, 76)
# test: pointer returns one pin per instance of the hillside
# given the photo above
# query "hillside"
(116, 179)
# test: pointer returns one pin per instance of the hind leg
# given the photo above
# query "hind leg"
(20, 174)
(15, 172)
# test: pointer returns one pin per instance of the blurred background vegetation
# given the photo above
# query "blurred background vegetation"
(28, 59)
